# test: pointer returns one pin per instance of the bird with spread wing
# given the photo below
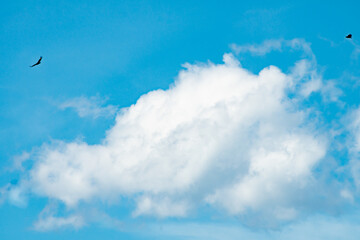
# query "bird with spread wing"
(38, 62)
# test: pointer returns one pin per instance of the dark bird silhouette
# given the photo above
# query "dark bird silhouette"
(349, 36)
(38, 62)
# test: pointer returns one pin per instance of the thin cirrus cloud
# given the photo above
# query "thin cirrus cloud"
(219, 136)
(47, 221)
(315, 227)
(353, 120)
(274, 45)
(93, 107)
(51, 223)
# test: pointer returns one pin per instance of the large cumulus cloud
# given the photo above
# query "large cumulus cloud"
(220, 135)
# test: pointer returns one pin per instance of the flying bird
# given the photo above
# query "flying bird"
(38, 62)
(349, 36)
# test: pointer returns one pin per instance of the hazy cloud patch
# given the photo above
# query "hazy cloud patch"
(90, 107)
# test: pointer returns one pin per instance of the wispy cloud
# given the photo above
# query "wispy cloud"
(305, 70)
(19, 160)
(353, 120)
(161, 207)
(315, 227)
(53, 223)
(268, 46)
(48, 222)
(90, 107)
(356, 52)
(261, 49)
(331, 42)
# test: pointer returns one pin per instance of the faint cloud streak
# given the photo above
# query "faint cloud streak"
(90, 107)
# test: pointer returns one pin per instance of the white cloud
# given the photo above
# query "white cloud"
(279, 166)
(261, 49)
(355, 128)
(348, 195)
(16, 196)
(220, 136)
(4, 193)
(274, 45)
(48, 222)
(353, 120)
(315, 227)
(52, 223)
(162, 207)
(90, 107)
(19, 160)
(305, 73)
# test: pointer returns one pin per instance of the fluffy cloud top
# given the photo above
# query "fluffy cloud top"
(220, 135)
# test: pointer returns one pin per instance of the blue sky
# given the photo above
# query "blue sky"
(180, 120)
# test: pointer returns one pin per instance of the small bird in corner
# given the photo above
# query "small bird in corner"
(38, 62)
(349, 36)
